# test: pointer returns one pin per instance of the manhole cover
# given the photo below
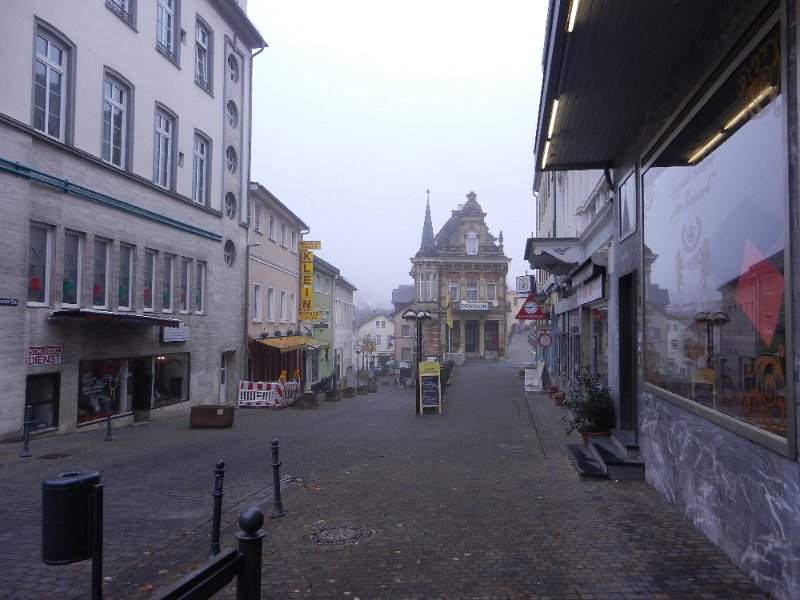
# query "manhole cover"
(54, 456)
(337, 534)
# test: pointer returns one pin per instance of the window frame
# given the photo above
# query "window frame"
(168, 35)
(271, 226)
(270, 304)
(65, 70)
(168, 283)
(78, 268)
(124, 9)
(472, 291)
(184, 284)
(164, 155)
(206, 51)
(149, 269)
(257, 215)
(46, 269)
(257, 300)
(130, 250)
(101, 271)
(471, 240)
(200, 287)
(201, 168)
(125, 108)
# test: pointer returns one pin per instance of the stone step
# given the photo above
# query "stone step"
(603, 459)
(616, 464)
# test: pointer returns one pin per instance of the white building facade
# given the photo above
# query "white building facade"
(124, 163)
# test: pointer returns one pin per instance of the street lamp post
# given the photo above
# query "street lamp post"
(419, 317)
(358, 349)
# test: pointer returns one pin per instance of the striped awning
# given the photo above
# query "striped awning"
(292, 342)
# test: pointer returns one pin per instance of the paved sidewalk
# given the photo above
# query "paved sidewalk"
(478, 502)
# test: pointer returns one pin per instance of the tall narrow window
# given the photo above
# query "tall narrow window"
(200, 288)
(200, 169)
(73, 251)
(272, 227)
(124, 9)
(453, 290)
(149, 277)
(427, 286)
(39, 265)
(257, 216)
(167, 284)
(293, 307)
(162, 150)
(202, 58)
(183, 286)
(257, 302)
(270, 304)
(284, 235)
(125, 276)
(472, 291)
(293, 243)
(100, 284)
(283, 306)
(165, 27)
(472, 243)
(49, 86)
(491, 290)
(115, 115)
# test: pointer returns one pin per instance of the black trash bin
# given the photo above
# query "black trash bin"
(67, 516)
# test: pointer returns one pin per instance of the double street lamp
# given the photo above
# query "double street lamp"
(419, 317)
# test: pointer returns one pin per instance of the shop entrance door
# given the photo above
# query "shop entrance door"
(471, 337)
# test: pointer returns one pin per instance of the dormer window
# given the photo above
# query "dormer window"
(472, 243)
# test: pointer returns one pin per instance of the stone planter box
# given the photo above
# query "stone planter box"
(211, 416)
(457, 358)
(362, 390)
(348, 392)
(372, 387)
(333, 395)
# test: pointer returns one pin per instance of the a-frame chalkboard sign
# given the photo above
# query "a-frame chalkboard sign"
(430, 388)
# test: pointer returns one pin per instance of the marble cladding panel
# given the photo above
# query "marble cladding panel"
(742, 496)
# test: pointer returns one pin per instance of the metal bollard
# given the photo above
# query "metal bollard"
(216, 521)
(108, 420)
(26, 432)
(277, 509)
(251, 540)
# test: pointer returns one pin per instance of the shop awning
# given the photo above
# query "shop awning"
(558, 256)
(292, 342)
(122, 318)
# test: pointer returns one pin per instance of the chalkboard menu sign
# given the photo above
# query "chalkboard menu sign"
(430, 390)
(703, 389)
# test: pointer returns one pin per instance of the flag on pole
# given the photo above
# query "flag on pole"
(449, 307)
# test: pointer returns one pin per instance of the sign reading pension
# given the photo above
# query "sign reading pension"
(307, 312)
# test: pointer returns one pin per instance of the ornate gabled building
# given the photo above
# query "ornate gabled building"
(465, 264)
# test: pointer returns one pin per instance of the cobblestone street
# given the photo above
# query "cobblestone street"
(478, 502)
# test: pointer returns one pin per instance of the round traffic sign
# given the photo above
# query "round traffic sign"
(545, 339)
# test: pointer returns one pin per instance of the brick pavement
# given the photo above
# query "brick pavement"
(480, 502)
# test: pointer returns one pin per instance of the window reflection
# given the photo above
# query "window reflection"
(714, 251)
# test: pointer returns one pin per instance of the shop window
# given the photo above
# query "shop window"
(103, 389)
(42, 394)
(170, 379)
(715, 208)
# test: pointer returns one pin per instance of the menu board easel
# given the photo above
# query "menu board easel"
(430, 389)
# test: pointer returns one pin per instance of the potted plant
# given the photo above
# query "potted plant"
(590, 408)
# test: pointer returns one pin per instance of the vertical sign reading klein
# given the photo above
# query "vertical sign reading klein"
(430, 390)
(307, 312)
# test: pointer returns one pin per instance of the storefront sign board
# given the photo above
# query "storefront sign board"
(430, 390)
(44, 355)
(474, 305)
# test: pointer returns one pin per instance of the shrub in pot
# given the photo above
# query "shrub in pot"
(590, 408)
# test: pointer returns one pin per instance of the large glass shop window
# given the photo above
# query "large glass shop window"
(715, 206)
